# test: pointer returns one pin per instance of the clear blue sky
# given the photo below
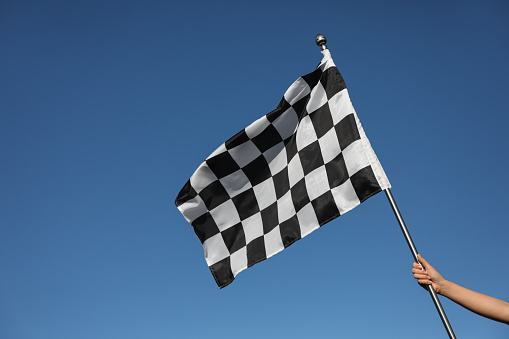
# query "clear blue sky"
(108, 107)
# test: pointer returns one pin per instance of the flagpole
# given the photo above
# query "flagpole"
(410, 243)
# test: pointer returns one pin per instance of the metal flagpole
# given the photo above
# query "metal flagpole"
(410, 243)
(321, 41)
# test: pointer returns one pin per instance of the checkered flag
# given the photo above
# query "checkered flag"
(282, 177)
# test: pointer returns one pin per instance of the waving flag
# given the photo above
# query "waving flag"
(282, 177)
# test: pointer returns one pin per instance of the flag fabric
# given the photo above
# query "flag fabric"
(282, 177)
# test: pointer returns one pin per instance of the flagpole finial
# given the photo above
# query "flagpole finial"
(321, 41)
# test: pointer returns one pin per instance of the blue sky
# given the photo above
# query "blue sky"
(108, 107)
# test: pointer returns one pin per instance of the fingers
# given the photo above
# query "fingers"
(422, 279)
(417, 268)
(419, 271)
(420, 274)
(423, 261)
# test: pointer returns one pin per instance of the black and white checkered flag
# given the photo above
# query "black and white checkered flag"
(282, 177)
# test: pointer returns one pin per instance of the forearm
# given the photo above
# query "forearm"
(479, 303)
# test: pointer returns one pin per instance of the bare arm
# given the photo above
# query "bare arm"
(479, 303)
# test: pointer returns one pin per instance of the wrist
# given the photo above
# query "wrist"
(443, 287)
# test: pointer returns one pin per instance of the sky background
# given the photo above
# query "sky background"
(107, 108)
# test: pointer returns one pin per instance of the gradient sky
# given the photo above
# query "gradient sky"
(108, 107)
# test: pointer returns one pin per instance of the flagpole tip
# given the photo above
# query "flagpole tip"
(321, 41)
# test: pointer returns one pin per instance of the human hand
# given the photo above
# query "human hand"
(428, 276)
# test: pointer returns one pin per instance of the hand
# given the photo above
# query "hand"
(428, 276)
